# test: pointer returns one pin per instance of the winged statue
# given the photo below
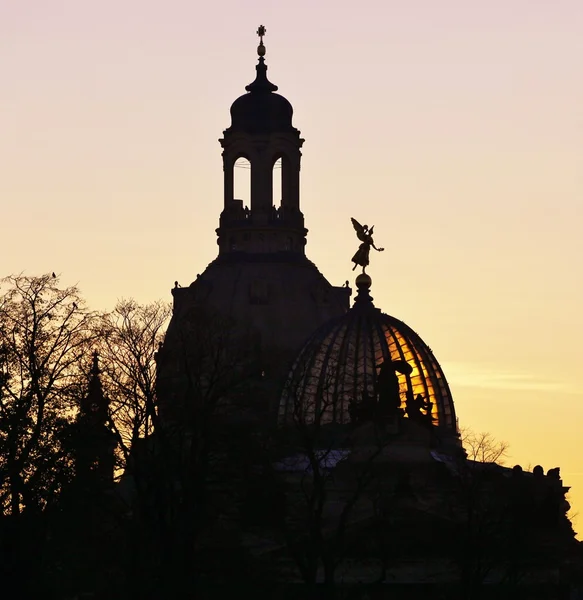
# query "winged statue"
(364, 234)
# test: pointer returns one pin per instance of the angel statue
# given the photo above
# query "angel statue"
(365, 236)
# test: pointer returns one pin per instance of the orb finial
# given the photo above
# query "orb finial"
(363, 285)
(363, 281)
(261, 31)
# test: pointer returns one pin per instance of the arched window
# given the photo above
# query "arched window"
(277, 182)
(242, 181)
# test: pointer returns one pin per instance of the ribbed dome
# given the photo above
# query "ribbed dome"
(338, 368)
(261, 110)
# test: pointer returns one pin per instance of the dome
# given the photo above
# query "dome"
(261, 113)
(261, 110)
(338, 372)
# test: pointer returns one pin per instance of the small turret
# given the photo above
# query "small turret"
(94, 406)
(95, 443)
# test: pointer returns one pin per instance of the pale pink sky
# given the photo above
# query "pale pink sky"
(456, 127)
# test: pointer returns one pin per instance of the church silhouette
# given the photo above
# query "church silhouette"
(307, 447)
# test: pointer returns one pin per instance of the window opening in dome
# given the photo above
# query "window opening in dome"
(427, 380)
(328, 384)
(242, 181)
(374, 363)
(404, 380)
(277, 185)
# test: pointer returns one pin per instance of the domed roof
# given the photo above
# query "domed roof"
(337, 371)
(261, 110)
(261, 113)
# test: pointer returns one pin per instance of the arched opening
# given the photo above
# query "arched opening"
(277, 182)
(242, 181)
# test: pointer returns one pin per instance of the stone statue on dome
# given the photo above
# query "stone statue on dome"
(414, 406)
(364, 234)
(388, 389)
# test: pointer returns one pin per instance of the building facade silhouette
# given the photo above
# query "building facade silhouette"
(369, 400)
(261, 278)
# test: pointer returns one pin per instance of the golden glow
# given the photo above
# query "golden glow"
(457, 135)
(340, 370)
(422, 382)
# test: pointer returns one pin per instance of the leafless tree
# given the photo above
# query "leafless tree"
(483, 447)
(326, 493)
(128, 339)
(45, 343)
(175, 390)
(495, 535)
(45, 332)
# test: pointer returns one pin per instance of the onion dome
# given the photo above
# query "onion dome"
(364, 364)
(261, 110)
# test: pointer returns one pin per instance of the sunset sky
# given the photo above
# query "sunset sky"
(455, 127)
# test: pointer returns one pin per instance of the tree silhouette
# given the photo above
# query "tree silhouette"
(177, 421)
(128, 339)
(326, 471)
(45, 332)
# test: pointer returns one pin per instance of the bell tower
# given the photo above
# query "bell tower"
(261, 279)
(261, 131)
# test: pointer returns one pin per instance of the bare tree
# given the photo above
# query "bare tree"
(483, 447)
(174, 390)
(45, 337)
(128, 340)
(490, 526)
(45, 332)
(328, 475)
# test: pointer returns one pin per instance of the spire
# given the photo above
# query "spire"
(261, 83)
(94, 405)
(95, 365)
(95, 444)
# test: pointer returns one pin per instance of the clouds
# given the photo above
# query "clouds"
(471, 375)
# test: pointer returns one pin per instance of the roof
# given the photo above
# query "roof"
(339, 369)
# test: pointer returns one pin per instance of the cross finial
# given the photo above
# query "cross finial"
(261, 31)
